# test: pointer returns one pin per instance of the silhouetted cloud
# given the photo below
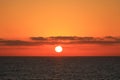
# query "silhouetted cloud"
(61, 40)
(15, 42)
(1, 39)
(96, 42)
(38, 38)
(112, 38)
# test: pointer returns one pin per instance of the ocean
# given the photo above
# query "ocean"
(59, 68)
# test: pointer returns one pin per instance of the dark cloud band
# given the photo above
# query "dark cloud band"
(61, 40)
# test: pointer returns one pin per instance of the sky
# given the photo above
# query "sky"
(22, 21)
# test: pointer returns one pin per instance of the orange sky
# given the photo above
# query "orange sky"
(20, 19)
(26, 18)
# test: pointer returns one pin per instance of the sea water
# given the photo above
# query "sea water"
(59, 68)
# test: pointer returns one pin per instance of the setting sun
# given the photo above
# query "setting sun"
(58, 49)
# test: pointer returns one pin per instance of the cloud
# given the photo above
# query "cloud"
(38, 38)
(1, 39)
(112, 38)
(61, 40)
(16, 43)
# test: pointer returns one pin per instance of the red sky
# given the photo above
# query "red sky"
(68, 50)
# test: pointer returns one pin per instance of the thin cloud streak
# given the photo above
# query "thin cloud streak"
(34, 41)
(38, 38)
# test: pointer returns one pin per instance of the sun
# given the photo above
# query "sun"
(58, 49)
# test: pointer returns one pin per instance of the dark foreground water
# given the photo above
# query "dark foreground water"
(59, 68)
